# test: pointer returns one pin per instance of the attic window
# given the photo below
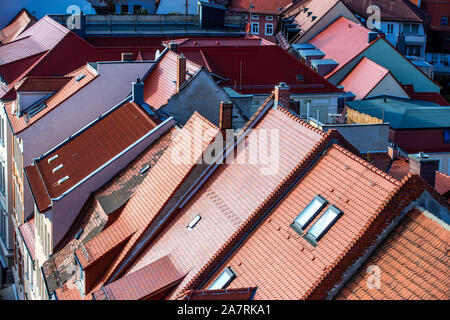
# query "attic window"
(60, 181)
(308, 214)
(79, 77)
(53, 158)
(58, 168)
(323, 224)
(223, 280)
(194, 222)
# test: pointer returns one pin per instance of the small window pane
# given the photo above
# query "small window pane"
(223, 280)
(310, 212)
(324, 222)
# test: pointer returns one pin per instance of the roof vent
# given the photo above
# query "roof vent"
(58, 168)
(60, 181)
(53, 158)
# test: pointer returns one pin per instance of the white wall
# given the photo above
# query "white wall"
(388, 86)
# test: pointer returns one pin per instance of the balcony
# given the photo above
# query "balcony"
(415, 38)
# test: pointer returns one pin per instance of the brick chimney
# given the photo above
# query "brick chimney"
(424, 166)
(226, 115)
(127, 56)
(393, 151)
(282, 96)
(181, 71)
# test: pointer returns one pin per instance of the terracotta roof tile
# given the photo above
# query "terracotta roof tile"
(41, 84)
(295, 268)
(221, 294)
(259, 6)
(413, 262)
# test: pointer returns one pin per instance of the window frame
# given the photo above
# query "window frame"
(300, 228)
(444, 18)
(446, 132)
(269, 18)
(255, 17)
(265, 29)
(315, 239)
(252, 24)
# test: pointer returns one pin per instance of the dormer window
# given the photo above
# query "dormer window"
(323, 224)
(308, 214)
(194, 222)
(223, 280)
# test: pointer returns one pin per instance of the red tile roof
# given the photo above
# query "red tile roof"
(413, 263)
(221, 294)
(160, 84)
(161, 183)
(88, 150)
(144, 283)
(259, 6)
(333, 41)
(41, 84)
(364, 78)
(101, 209)
(282, 264)
(27, 232)
(18, 24)
(248, 40)
(249, 72)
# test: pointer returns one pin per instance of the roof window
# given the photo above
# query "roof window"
(53, 158)
(223, 280)
(194, 221)
(144, 169)
(79, 77)
(58, 168)
(308, 214)
(323, 224)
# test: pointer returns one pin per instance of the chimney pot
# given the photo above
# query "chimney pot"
(421, 164)
(127, 56)
(226, 115)
(282, 95)
(181, 71)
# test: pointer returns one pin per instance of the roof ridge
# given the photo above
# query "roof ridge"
(367, 164)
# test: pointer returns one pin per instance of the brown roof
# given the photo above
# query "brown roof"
(413, 263)
(259, 6)
(88, 150)
(392, 10)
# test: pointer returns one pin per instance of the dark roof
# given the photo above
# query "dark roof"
(392, 10)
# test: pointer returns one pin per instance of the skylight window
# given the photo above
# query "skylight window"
(53, 158)
(144, 169)
(308, 214)
(323, 224)
(79, 77)
(194, 221)
(223, 280)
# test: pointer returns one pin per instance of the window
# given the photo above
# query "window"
(194, 222)
(444, 21)
(136, 8)
(3, 226)
(124, 8)
(413, 50)
(255, 28)
(434, 58)
(269, 29)
(390, 28)
(2, 131)
(255, 17)
(444, 59)
(308, 214)
(223, 280)
(269, 17)
(323, 224)
(411, 28)
(446, 135)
